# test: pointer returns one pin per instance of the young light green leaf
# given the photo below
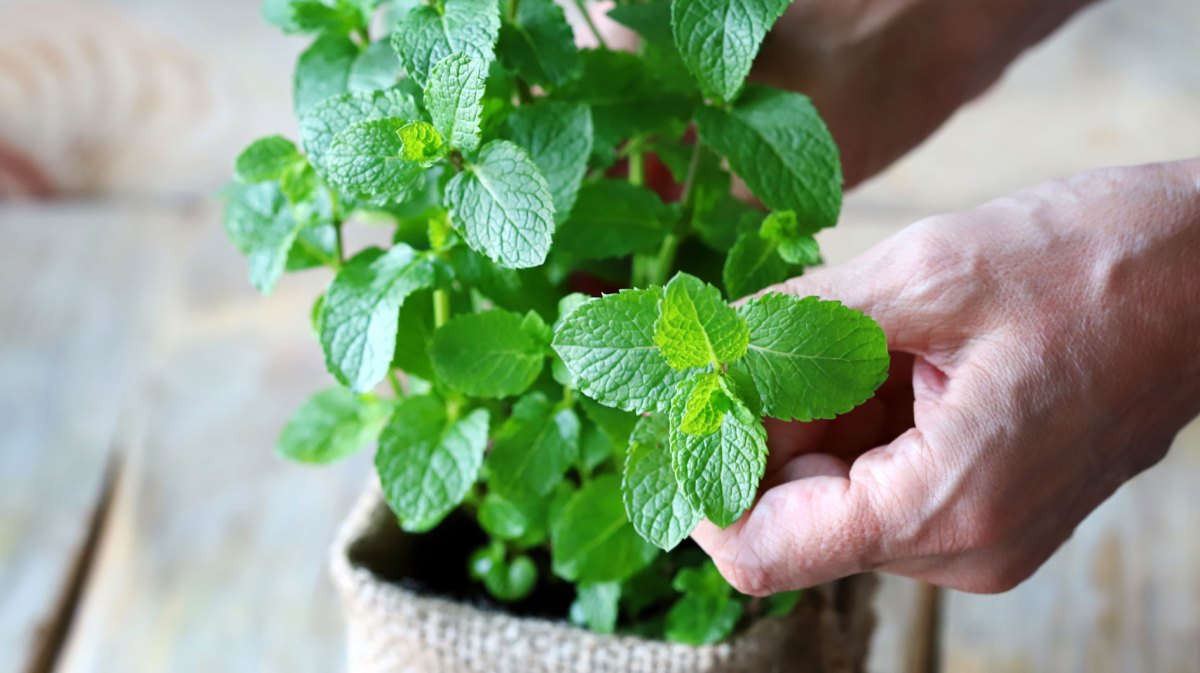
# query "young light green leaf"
(506, 519)
(259, 222)
(592, 540)
(695, 326)
(608, 345)
(657, 507)
(796, 244)
(430, 33)
(718, 472)
(718, 39)
(267, 158)
(705, 406)
(506, 581)
(373, 158)
(595, 606)
(361, 309)
(376, 68)
(533, 449)
(777, 143)
(810, 358)
(427, 462)
(502, 206)
(332, 16)
(486, 354)
(613, 218)
(539, 44)
(331, 425)
(454, 98)
(752, 264)
(708, 611)
(323, 71)
(330, 117)
(558, 137)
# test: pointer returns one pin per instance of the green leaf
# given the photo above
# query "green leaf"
(414, 335)
(330, 117)
(595, 606)
(656, 506)
(695, 326)
(267, 158)
(558, 137)
(650, 20)
(708, 611)
(608, 345)
(781, 604)
(718, 39)
(315, 16)
(486, 354)
(592, 540)
(506, 581)
(427, 462)
(777, 143)
(752, 264)
(796, 244)
(613, 218)
(331, 425)
(705, 406)
(615, 423)
(375, 68)
(718, 472)
(810, 358)
(540, 45)
(260, 224)
(361, 309)
(373, 158)
(533, 449)
(627, 98)
(428, 34)
(323, 71)
(502, 206)
(506, 519)
(454, 98)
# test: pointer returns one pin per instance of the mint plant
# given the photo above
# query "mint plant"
(560, 364)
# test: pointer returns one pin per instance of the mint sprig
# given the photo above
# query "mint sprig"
(509, 186)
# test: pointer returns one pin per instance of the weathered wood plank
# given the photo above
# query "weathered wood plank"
(78, 287)
(1123, 594)
(214, 559)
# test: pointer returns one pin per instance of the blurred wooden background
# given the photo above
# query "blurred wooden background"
(145, 524)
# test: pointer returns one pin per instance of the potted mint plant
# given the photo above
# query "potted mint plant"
(543, 356)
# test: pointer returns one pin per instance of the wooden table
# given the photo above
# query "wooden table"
(145, 524)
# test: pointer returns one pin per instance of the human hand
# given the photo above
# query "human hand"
(885, 74)
(1053, 339)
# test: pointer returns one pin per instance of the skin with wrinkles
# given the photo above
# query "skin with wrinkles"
(1054, 344)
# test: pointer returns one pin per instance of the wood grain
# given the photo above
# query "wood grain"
(75, 300)
(214, 558)
(1123, 594)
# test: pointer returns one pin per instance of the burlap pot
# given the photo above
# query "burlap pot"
(393, 630)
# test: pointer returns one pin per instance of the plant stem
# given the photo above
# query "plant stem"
(637, 167)
(441, 307)
(689, 181)
(665, 260)
(395, 381)
(661, 267)
(591, 26)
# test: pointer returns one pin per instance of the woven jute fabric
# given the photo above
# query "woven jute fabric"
(394, 630)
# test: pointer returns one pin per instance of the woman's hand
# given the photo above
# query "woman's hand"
(1048, 349)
